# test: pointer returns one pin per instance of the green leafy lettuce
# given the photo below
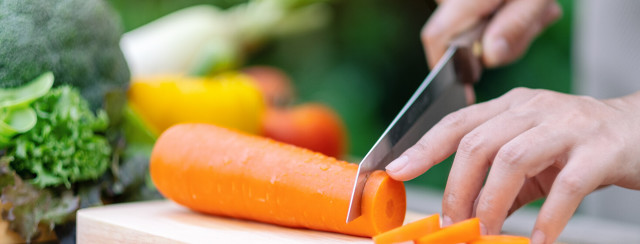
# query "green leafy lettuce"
(15, 114)
(66, 145)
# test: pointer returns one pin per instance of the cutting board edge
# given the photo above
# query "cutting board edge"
(136, 225)
(87, 232)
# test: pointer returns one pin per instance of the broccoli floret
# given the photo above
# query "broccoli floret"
(76, 39)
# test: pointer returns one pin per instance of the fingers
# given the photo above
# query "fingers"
(443, 139)
(535, 188)
(510, 32)
(475, 153)
(514, 27)
(520, 159)
(582, 174)
(450, 19)
(439, 142)
(553, 13)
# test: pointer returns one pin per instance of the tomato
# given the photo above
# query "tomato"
(312, 126)
(274, 84)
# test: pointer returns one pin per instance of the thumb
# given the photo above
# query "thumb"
(514, 27)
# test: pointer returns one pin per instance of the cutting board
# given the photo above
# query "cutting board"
(167, 222)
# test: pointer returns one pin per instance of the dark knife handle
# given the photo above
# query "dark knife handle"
(468, 58)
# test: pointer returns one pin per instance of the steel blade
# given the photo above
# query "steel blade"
(439, 94)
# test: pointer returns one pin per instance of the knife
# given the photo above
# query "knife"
(447, 88)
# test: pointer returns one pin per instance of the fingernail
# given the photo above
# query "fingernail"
(398, 164)
(483, 229)
(498, 51)
(446, 221)
(537, 237)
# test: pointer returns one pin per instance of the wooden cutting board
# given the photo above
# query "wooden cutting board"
(167, 222)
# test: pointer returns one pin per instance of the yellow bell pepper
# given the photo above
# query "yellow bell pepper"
(230, 100)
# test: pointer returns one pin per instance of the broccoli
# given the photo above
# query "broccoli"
(76, 39)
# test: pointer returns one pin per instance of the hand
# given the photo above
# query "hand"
(512, 28)
(534, 143)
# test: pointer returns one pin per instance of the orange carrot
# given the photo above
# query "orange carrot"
(501, 239)
(410, 232)
(464, 231)
(223, 172)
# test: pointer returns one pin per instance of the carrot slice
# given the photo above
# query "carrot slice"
(501, 239)
(410, 231)
(460, 232)
(223, 172)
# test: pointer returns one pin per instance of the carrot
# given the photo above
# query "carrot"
(223, 172)
(464, 231)
(410, 232)
(501, 239)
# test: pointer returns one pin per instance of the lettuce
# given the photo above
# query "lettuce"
(15, 114)
(30, 206)
(45, 172)
(66, 145)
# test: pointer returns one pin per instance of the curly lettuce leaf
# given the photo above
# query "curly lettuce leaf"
(15, 114)
(15, 121)
(30, 206)
(24, 95)
(66, 145)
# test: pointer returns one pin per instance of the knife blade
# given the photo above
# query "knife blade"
(447, 88)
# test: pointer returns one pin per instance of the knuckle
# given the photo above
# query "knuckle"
(545, 218)
(614, 143)
(471, 143)
(419, 149)
(455, 119)
(577, 116)
(522, 23)
(518, 91)
(522, 114)
(542, 97)
(430, 35)
(487, 209)
(510, 155)
(450, 201)
(572, 185)
(580, 119)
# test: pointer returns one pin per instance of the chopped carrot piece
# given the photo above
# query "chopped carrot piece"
(501, 239)
(410, 232)
(460, 232)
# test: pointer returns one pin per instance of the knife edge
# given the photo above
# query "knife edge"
(373, 160)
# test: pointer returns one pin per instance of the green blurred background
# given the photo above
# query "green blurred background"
(369, 60)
